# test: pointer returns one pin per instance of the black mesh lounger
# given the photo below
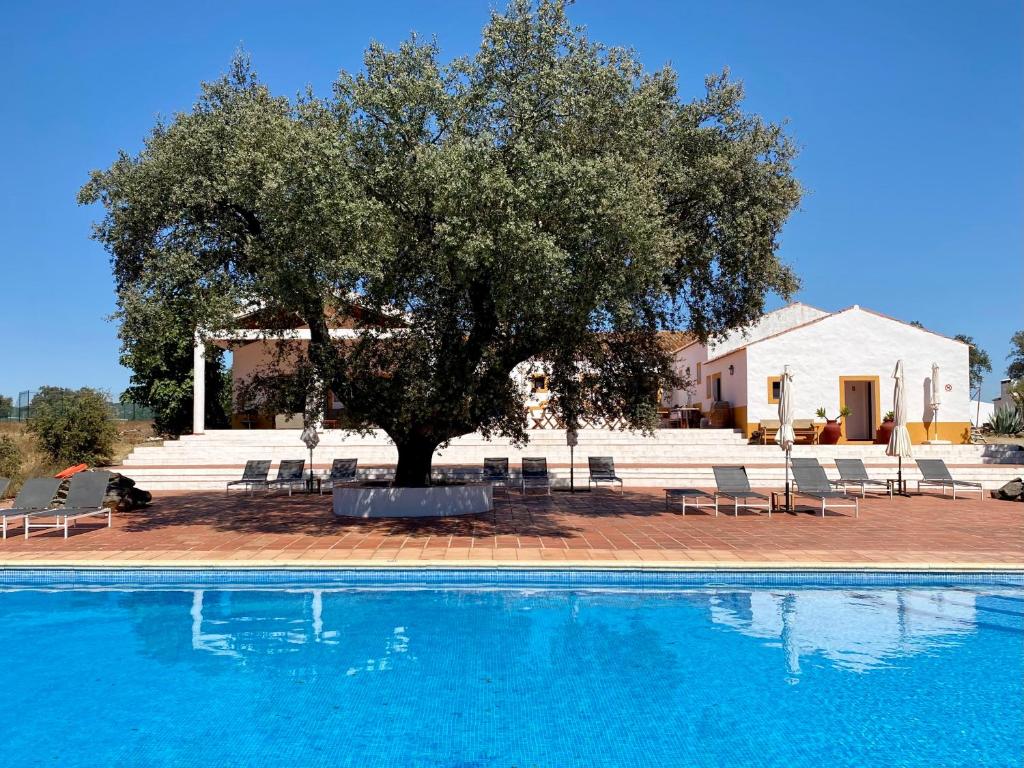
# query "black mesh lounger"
(253, 476)
(535, 474)
(812, 481)
(86, 493)
(496, 472)
(35, 494)
(853, 472)
(602, 470)
(290, 472)
(935, 473)
(732, 483)
(343, 472)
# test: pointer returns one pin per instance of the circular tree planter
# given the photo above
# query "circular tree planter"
(437, 501)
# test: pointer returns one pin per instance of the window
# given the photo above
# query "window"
(698, 373)
(538, 383)
(774, 388)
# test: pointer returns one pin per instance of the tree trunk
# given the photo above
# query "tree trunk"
(414, 460)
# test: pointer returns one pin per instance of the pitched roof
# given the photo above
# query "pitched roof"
(673, 341)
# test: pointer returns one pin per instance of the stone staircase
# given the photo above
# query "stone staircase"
(669, 458)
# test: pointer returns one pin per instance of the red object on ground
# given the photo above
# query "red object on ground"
(66, 473)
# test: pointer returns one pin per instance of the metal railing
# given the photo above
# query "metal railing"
(21, 409)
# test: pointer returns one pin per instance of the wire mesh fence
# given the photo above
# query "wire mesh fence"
(19, 408)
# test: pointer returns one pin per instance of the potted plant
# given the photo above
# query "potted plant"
(833, 429)
(885, 428)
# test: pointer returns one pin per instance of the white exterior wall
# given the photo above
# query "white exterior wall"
(859, 343)
(771, 323)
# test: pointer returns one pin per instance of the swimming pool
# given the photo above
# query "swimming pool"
(371, 669)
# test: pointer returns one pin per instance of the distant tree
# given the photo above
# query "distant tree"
(917, 323)
(157, 347)
(1016, 356)
(544, 199)
(73, 426)
(6, 407)
(978, 364)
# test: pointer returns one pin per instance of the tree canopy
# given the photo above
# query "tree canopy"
(1015, 370)
(73, 426)
(544, 199)
(978, 364)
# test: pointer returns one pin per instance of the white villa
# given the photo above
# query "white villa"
(837, 359)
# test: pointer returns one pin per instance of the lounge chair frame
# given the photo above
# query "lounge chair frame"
(689, 493)
(90, 486)
(853, 472)
(343, 472)
(253, 476)
(811, 481)
(290, 472)
(732, 483)
(534, 474)
(495, 472)
(602, 470)
(936, 474)
(37, 494)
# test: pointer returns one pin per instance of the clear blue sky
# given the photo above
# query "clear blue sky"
(909, 115)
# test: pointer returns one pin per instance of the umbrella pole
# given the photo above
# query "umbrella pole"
(899, 478)
(787, 481)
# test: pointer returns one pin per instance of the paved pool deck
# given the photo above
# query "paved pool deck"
(599, 529)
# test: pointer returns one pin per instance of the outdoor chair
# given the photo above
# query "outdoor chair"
(86, 494)
(683, 495)
(853, 472)
(766, 431)
(935, 473)
(343, 471)
(732, 483)
(535, 474)
(811, 481)
(602, 470)
(4, 482)
(290, 473)
(253, 476)
(496, 472)
(35, 494)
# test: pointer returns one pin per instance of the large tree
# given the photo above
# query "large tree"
(1015, 370)
(978, 364)
(545, 199)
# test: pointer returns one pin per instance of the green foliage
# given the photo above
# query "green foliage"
(6, 407)
(10, 457)
(978, 363)
(157, 346)
(544, 199)
(889, 416)
(73, 426)
(1016, 357)
(1008, 420)
(843, 413)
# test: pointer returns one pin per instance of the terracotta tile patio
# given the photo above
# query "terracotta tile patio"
(587, 529)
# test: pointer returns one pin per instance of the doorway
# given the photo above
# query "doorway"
(860, 397)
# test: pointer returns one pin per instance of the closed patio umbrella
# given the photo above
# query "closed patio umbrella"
(785, 437)
(310, 437)
(936, 397)
(899, 440)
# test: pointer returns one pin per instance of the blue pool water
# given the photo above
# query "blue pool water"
(723, 676)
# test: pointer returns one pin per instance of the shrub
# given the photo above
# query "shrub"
(1007, 421)
(73, 426)
(10, 458)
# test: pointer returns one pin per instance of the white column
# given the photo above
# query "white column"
(199, 387)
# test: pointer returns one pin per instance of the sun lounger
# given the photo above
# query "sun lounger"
(35, 494)
(86, 493)
(733, 484)
(684, 494)
(343, 471)
(602, 470)
(290, 473)
(935, 473)
(535, 474)
(853, 472)
(812, 481)
(253, 476)
(496, 472)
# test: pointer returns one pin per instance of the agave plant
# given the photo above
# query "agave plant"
(1007, 421)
